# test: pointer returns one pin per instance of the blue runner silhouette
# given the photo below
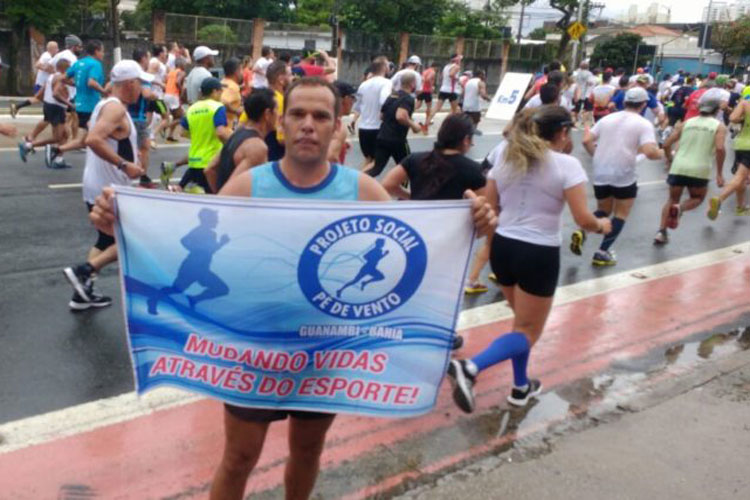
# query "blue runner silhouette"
(201, 243)
(372, 258)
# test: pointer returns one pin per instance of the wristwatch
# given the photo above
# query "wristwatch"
(121, 165)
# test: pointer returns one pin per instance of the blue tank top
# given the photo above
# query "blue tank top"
(342, 183)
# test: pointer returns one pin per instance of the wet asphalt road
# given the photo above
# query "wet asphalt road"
(53, 358)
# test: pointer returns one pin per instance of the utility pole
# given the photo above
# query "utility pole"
(520, 20)
(705, 35)
(574, 59)
(115, 27)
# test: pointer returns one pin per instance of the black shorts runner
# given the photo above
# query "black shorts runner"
(534, 268)
(196, 176)
(618, 193)
(157, 107)
(53, 114)
(425, 96)
(368, 140)
(743, 157)
(586, 104)
(104, 240)
(447, 96)
(264, 415)
(385, 150)
(83, 119)
(686, 181)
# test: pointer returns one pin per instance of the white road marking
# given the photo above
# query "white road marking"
(86, 417)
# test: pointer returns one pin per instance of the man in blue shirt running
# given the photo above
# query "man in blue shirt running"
(88, 77)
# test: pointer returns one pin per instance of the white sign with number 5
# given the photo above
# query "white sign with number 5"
(508, 96)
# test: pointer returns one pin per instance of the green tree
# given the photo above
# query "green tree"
(731, 40)
(313, 12)
(618, 52)
(460, 20)
(567, 9)
(275, 10)
(538, 34)
(217, 33)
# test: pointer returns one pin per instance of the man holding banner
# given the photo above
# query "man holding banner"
(311, 117)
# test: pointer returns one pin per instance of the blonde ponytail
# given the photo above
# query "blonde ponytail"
(524, 147)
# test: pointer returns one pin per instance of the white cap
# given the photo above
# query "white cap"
(414, 60)
(202, 51)
(636, 94)
(127, 69)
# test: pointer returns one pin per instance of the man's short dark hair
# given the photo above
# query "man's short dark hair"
(275, 70)
(624, 81)
(379, 67)
(231, 66)
(286, 57)
(549, 93)
(156, 50)
(554, 66)
(139, 54)
(92, 46)
(556, 77)
(606, 76)
(258, 102)
(314, 81)
(265, 51)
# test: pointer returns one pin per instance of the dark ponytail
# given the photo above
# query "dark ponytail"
(434, 167)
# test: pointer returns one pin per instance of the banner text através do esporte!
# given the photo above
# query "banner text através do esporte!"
(323, 306)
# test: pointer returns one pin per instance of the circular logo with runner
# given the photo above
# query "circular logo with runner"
(362, 267)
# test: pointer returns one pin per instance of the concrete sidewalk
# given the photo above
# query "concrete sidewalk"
(687, 438)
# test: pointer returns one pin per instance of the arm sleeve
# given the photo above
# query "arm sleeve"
(184, 123)
(652, 102)
(220, 117)
(474, 177)
(385, 92)
(71, 72)
(408, 163)
(97, 73)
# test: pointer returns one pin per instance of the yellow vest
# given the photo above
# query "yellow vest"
(204, 144)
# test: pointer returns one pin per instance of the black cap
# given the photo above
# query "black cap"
(344, 88)
(210, 84)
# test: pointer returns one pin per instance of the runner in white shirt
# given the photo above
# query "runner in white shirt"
(614, 142)
(204, 59)
(412, 65)
(601, 95)
(111, 158)
(530, 184)
(175, 52)
(259, 69)
(44, 69)
(475, 89)
(157, 66)
(371, 95)
(585, 81)
(448, 89)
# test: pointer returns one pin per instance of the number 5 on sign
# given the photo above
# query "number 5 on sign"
(508, 96)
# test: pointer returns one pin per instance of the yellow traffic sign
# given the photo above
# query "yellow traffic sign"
(576, 30)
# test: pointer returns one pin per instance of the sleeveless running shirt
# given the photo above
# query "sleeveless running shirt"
(100, 173)
(742, 141)
(695, 154)
(204, 144)
(49, 96)
(449, 82)
(226, 157)
(471, 96)
(342, 183)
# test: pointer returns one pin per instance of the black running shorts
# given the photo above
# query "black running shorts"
(586, 104)
(196, 176)
(686, 181)
(264, 415)
(53, 114)
(534, 268)
(742, 157)
(425, 96)
(83, 119)
(447, 96)
(618, 193)
(368, 140)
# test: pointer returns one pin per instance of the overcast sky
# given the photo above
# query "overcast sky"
(682, 10)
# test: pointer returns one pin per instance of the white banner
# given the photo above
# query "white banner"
(286, 304)
(508, 96)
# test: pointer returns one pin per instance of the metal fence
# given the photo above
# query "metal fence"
(205, 29)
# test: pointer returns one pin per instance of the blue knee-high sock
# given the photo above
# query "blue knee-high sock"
(608, 240)
(514, 346)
